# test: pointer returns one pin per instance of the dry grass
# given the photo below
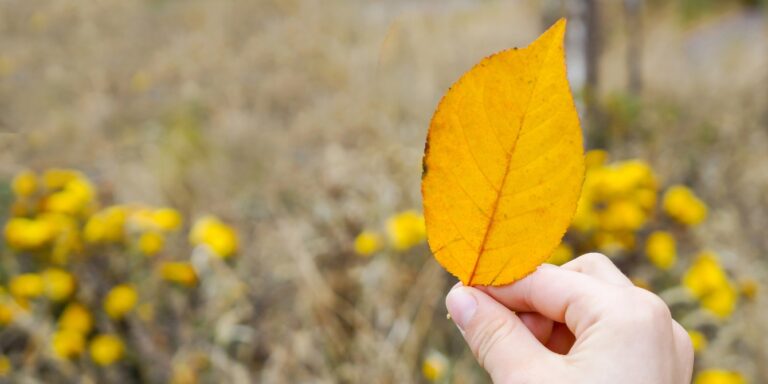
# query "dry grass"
(304, 121)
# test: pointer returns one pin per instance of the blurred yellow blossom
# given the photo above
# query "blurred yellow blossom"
(106, 226)
(660, 248)
(682, 205)
(719, 376)
(5, 366)
(622, 215)
(57, 178)
(698, 340)
(28, 234)
(26, 286)
(367, 243)
(406, 229)
(641, 283)
(705, 275)
(218, 237)
(585, 220)
(106, 349)
(24, 184)
(620, 179)
(72, 199)
(66, 236)
(435, 366)
(181, 273)
(6, 314)
(562, 254)
(76, 317)
(749, 288)
(151, 243)
(707, 281)
(595, 158)
(67, 344)
(614, 242)
(645, 198)
(722, 301)
(120, 300)
(59, 284)
(167, 219)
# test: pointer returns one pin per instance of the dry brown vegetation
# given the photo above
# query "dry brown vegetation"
(303, 122)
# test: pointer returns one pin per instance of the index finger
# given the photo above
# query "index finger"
(569, 297)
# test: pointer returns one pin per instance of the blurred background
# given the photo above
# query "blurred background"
(220, 191)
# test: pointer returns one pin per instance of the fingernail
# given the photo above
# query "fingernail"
(461, 305)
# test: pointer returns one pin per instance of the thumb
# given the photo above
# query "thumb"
(500, 341)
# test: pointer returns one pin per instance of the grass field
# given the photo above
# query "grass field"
(300, 124)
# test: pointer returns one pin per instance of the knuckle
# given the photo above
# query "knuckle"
(654, 306)
(488, 336)
(641, 307)
(595, 258)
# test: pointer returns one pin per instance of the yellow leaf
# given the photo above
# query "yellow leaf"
(504, 164)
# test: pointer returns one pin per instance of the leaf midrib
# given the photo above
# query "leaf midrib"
(499, 191)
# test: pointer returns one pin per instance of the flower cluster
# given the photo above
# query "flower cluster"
(650, 233)
(71, 267)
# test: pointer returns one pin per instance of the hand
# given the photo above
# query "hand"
(583, 322)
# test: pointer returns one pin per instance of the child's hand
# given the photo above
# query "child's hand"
(584, 322)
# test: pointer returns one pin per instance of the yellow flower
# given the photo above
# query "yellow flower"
(73, 199)
(6, 314)
(406, 229)
(595, 158)
(435, 366)
(585, 220)
(661, 249)
(645, 198)
(179, 272)
(28, 234)
(59, 284)
(26, 286)
(367, 243)
(622, 215)
(67, 344)
(722, 301)
(57, 178)
(106, 349)
(66, 238)
(5, 366)
(24, 184)
(707, 281)
(107, 226)
(749, 288)
(167, 219)
(151, 243)
(620, 179)
(562, 254)
(705, 275)
(698, 340)
(120, 300)
(719, 376)
(218, 237)
(641, 282)
(76, 317)
(682, 205)
(612, 243)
